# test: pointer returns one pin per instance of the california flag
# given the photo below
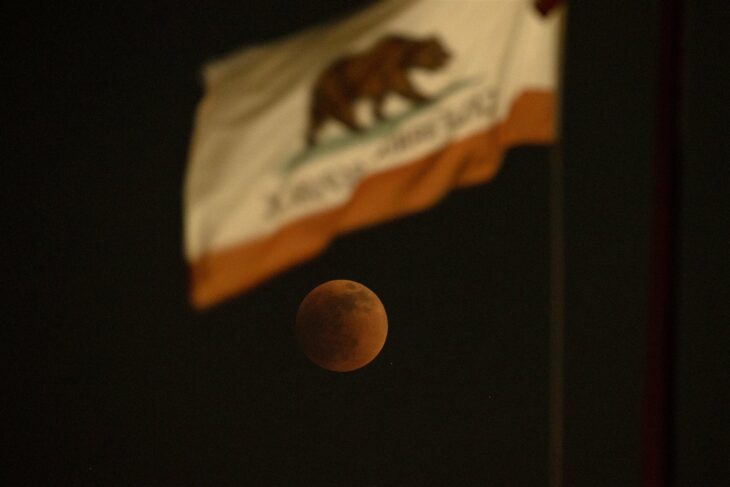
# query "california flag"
(351, 124)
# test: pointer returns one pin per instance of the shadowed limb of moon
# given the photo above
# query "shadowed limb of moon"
(341, 325)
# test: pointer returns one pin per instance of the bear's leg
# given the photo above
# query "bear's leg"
(346, 115)
(378, 101)
(316, 118)
(403, 87)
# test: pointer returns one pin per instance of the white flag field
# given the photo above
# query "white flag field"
(357, 122)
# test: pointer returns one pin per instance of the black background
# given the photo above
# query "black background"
(114, 380)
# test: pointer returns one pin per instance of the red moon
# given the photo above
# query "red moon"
(341, 325)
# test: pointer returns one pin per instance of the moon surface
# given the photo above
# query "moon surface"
(341, 325)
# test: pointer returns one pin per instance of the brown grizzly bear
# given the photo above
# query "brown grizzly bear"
(371, 75)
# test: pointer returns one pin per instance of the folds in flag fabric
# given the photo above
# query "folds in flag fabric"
(354, 123)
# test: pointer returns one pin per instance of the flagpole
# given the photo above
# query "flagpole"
(557, 322)
(657, 454)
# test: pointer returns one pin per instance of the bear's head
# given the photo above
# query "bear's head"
(429, 54)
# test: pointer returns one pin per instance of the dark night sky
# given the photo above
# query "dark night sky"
(115, 380)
